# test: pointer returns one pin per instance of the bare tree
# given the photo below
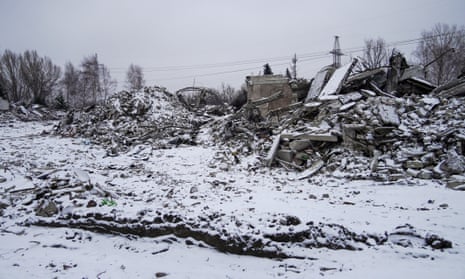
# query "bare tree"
(88, 85)
(90, 79)
(70, 83)
(40, 76)
(375, 55)
(442, 52)
(10, 76)
(227, 92)
(107, 83)
(135, 77)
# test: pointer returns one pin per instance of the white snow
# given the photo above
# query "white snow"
(189, 181)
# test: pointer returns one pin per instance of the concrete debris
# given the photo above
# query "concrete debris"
(371, 131)
(382, 124)
(269, 92)
(47, 209)
(318, 83)
(334, 84)
(33, 112)
(4, 105)
(152, 116)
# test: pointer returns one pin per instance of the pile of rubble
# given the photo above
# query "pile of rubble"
(153, 116)
(350, 126)
(33, 112)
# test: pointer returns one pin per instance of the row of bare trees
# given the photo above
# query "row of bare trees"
(31, 79)
(27, 77)
(441, 51)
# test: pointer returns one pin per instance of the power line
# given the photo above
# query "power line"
(305, 57)
(236, 71)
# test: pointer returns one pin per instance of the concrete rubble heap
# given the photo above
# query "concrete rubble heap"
(32, 112)
(153, 116)
(362, 132)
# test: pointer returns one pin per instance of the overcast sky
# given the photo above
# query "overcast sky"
(223, 40)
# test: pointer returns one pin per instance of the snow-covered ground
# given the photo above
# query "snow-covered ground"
(192, 182)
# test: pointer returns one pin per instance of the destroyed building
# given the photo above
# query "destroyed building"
(380, 124)
(270, 93)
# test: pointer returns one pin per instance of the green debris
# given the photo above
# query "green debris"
(108, 202)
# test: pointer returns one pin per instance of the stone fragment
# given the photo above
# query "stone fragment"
(299, 145)
(286, 155)
(437, 242)
(456, 182)
(414, 164)
(47, 209)
(425, 174)
(290, 221)
(194, 189)
(412, 172)
(387, 114)
(454, 164)
(160, 274)
(4, 105)
(91, 203)
(347, 106)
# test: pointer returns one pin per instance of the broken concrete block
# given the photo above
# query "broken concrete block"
(454, 164)
(387, 114)
(456, 182)
(425, 174)
(334, 84)
(299, 145)
(286, 155)
(414, 164)
(347, 106)
(412, 172)
(350, 97)
(318, 137)
(4, 105)
(318, 83)
(47, 209)
(312, 106)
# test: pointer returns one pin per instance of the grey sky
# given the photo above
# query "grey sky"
(158, 34)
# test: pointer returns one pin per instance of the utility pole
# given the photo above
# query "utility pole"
(337, 53)
(294, 66)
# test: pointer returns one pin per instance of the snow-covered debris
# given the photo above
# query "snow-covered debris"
(365, 120)
(129, 118)
(151, 205)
